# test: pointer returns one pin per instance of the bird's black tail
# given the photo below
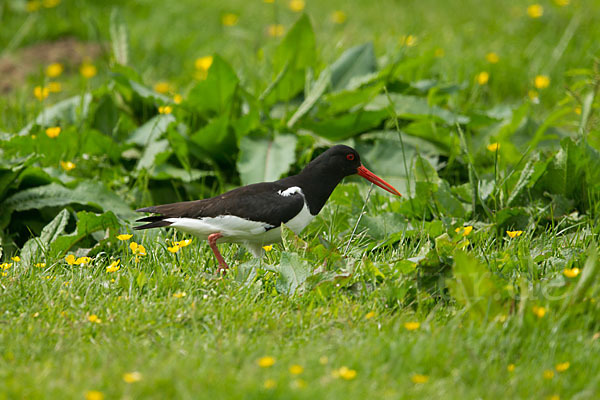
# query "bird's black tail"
(155, 221)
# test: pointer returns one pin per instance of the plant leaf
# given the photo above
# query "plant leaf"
(354, 62)
(264, 160)
(33, 247)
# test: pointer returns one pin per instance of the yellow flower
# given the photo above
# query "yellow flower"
(5, 266)
(439, 52)
(535, 11)
(40, 265)
(296, 5)
(275, 30)
(492, 58)
(412, 326)
(533, 96)
(132, 377)
(493, 146)
(562, 3)
(270, 384)
(268, 248)
(346, 373)
(88, 70)
(114, 266)
(408, 40)
(323, 360)
(548, 374)
(296, 369)
(94, 319)
(67, 165)
(177, 99)
(124, 236)
(541, 82)
(229, 19)
(70, 259)
(464, 230)
(50, 3)
(83, 260)
(53, 70)
(32, 6)
(269, 1)
(338, 17)
(165, 109)
(266, 362)
(539, 311)
(54, 87)
(40, 92)
(137, 249)
(162, 87)
(554, 397)
(562, 367)
(94, 395)
(482, 78)
(203, 63)
(514, 234)
(53, 131)
(183, 243)
(179, 295)
(16, 258)
(577, 110)
(510, 367)
(173, 249)
(418, 378)
(571, 272)
(370, 315)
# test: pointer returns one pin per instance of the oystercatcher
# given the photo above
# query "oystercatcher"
(252, 215)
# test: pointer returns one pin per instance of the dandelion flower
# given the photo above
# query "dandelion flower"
(510, 367)
(173, 249)
(41, 92)
(539, 311)
(269, 384)
(338, 17)
(137, 249)
(482, 78)
(54, 87)
(94, 319)
(179, 295)
(184, 243)
(535, 11)
(346, 373)
(562, 367)
(464, 230)
(124, 236)
(493, 147)
(203, 63)
(571, 272)
(418, 378)
(94, 395)
(266, 362)
(88, 70)
(268, 248)
(408, 40)
(132, 377)
(275, 30)
(114, 266)
(229, 19)
(83, 260)
(53, 132)
(541, 82)
(165, 109)
(5, 266)
(53, 70)
(67, 165)
(177, 99)
(296, 5)
(514, 234)
(162, 87)
(370, 315)
(412, 326)
(548, 374)
(16, 258)
(296, 369)
(70, 259)
(492, 58)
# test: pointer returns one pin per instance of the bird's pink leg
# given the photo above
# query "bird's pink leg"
(212, 242)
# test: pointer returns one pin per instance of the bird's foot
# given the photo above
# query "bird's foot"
(212, 242)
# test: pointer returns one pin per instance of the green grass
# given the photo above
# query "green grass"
(190, 334)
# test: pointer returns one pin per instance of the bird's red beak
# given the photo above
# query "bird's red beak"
(371, 177)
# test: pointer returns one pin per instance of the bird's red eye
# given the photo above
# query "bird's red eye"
(350, 157)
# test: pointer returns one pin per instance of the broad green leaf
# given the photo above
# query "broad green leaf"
(314, 94)
(34, 247)
(217, 139)
(264, 160)
(11, 170)
(335, 103)
(293, 272)
(65, 112)
(291, 241)
(106, 116)
(474, 288)
(168, 172)
(87, 223)
(179, 146)
(381, 226)
(356, 61)
(152, 130)
(217, 91)
(148, 159)
(88, 193)
(346, 125)
(414, 108)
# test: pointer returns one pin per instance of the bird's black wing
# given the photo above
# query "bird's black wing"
(262, 202)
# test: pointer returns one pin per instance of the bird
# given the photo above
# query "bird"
(252, 215)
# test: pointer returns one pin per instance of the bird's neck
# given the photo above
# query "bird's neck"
(317, 187)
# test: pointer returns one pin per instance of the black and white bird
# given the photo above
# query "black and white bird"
(252, 215)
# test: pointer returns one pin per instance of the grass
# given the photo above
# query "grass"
(416, 310)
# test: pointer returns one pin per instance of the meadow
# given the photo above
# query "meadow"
(482, 281)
